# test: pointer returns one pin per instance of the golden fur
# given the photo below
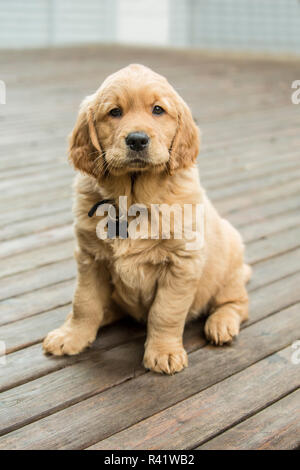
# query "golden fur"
(158, 281)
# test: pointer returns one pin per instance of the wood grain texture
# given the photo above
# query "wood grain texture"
(266, 272)
(32, 303)
(254, 206)
(37, 278)
(38, 257)
(29, 213)
(21, 334)
(193, 340)
(263, 302)
(36, 240)
(30, 363)
(188, 423)
(41, 224)
(275, 428)
(78, 426)
(273, 245)
(274, 224)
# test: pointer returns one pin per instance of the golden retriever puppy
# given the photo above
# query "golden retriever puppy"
(135, 137)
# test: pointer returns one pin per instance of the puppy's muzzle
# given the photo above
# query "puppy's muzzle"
(137, 141)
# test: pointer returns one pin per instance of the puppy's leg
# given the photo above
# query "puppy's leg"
(90, 304)
(164, 351)
(230, 310)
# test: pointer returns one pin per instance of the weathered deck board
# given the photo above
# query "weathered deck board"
(33, 303)
(200, 417)
(276, 427)
(37, 257)
(234, 397)
(37, 278)
(72, 383)
(31, 364)
(55, 294)
(137, 399)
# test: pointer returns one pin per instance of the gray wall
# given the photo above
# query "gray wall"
(255, 25)
(38, 23)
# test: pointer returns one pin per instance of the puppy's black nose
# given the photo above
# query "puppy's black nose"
(137, 141)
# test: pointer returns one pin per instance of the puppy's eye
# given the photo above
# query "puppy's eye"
(115, 112)
(158, 110)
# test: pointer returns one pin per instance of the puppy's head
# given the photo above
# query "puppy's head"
(134, 122)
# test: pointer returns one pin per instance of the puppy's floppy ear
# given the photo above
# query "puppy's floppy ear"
(185, 146)
(84, 146)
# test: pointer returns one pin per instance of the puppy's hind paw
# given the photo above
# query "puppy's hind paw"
(222, 327)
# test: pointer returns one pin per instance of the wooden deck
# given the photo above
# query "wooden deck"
(241, 396)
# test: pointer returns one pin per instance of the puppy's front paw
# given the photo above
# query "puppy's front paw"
(67, 340)
(222, 327)
(160, 360)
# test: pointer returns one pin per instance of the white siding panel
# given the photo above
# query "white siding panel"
(24, 24)
(180, 22)
(38, 23)
(257, 25)
(143, 22)
(84, 21)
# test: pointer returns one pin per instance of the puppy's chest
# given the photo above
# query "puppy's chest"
(135, 282)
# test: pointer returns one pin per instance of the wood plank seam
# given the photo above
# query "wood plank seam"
(245, 418)
(285, 346)
(174, 405)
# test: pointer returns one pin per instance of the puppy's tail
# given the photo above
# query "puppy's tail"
(247, 272)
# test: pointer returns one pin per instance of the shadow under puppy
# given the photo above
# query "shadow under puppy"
(135, 137)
